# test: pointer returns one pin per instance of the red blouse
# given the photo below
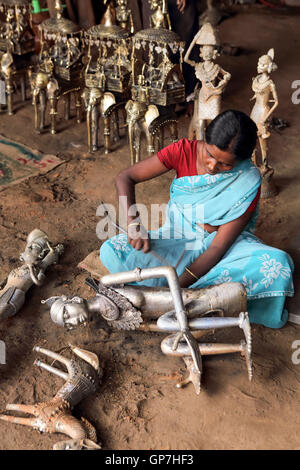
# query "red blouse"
(182, 156)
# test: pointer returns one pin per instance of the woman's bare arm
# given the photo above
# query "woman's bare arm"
(223, 240)
(125, 183)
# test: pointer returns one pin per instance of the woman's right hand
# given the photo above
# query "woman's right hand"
(138, 238)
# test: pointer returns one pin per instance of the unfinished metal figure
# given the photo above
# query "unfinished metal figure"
(264, 94)
(39, 254)
(207, 100)
(82, 379)
(175, 310)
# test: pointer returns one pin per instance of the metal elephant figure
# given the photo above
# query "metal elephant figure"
(100, 105)
(139, 118)
(44, 88)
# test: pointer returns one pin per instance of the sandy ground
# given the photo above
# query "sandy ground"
(138, 406)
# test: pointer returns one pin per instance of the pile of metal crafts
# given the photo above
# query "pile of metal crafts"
(185, 315)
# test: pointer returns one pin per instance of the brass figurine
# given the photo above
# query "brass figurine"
(82, 379)
(160, 17)
(207, 100)
(124, 16)
(107, 78)
(38, 255)
(127, 307)
(264, 93)
(16, 47)
(157, 85)
(59, 75)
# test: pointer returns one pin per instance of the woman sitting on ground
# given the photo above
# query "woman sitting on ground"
(210, 219)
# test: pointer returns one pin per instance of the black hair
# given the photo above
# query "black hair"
(234, 131)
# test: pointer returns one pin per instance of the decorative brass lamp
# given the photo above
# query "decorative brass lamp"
(60, 71)
(157, 85)
(107, 78)
(16, 47)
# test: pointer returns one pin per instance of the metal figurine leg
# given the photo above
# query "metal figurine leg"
(67, 106)
(174, 131)
(35, 103)
(78, 105)
(9, 93)
(43, 107)
(151, 146)
(53, 114)
(95, 115)
(268, 187)
(106, 132)
(23, 87)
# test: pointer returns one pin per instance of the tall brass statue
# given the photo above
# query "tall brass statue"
(264, 94)
(207, 100)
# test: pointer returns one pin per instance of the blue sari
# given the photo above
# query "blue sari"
(266, 272)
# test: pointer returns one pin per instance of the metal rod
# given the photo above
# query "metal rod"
(51, 369)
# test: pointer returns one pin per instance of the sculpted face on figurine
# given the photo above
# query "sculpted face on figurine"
(208, 53)
(67, 311)
(266, 64)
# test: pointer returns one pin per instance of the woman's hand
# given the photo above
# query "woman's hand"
(138, 237)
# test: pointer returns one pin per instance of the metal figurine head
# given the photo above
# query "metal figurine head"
(67, 311)
(266, 63)
(208, 53)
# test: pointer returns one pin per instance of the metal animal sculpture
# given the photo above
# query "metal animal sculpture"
(82, 378)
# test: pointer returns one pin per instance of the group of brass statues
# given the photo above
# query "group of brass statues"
(124, 81)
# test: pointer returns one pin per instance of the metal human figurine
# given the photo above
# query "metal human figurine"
(124, 15)
(264, 93)
(207, 100)
(38, 255)
(175, 310)
(160, 18)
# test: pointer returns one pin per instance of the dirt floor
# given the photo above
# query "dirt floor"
(138, 406)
